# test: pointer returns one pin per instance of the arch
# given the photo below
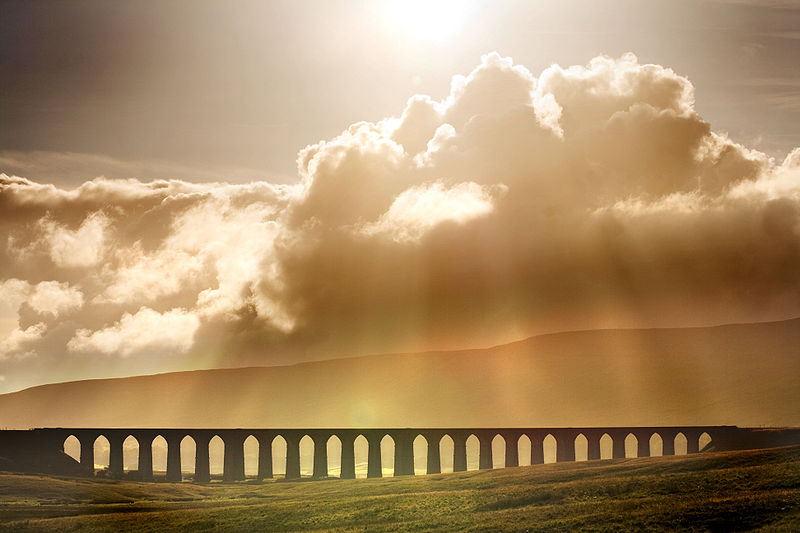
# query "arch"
(446, 451)
(72, 447)
(387, 456)
(250, 447)
(498, 451)
(656, 445)
(188, 454)
(606, 446)
(130, 454)
(279, 455)
(333, 447)
(473, 452)
(581, 444)
(631, 445)
(102, 452)
(420, 447)
(306, 456)
(159, 450)
(549, 445)
(680, 444)
(216, 457)
(704, 441)
(524, 450)
(361, 452)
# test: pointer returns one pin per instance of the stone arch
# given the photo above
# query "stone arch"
(581, 444)
(680, 443)
(306, 456)
(361, 452)
(524, 450)
(498, 451)
(158, 447)
(216, 456)
(549, 445)
(279, 455)
(420, 447)
(631, 445)
(387, 455)
(333, 449)
(130, 454)
(250, 448)
(606, 446)
(446, 452)
(72, 447)
(102, 453)
(473, 452)
(656, 445)
(188, 454)
(704, 441)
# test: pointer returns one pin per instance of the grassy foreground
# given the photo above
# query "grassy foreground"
(730, 491)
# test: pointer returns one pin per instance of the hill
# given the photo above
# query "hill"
(743, 375)
(729, 491)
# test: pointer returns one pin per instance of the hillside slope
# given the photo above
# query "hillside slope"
(735, 374)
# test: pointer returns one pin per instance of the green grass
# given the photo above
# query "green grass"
(730, 491)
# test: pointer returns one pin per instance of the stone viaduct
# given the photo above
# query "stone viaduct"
(51, 440)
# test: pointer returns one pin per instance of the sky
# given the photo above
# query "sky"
(197, 185)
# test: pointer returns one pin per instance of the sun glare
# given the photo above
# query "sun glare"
(429, 20)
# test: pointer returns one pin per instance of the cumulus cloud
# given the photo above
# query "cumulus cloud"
(589, 195)
(82, 247)
(419, 209)
(46, 297)
(17, 342)
(170, 332)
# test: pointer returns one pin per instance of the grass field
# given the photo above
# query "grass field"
(729, 491)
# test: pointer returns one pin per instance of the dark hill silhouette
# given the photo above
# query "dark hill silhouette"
(744, 374)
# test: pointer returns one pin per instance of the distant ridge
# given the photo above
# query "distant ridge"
(741, 374)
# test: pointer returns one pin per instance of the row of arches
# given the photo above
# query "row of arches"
(246, 455)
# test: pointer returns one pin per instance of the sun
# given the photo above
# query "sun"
(429, 20)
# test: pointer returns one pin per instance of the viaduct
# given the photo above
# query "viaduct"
(37, 449)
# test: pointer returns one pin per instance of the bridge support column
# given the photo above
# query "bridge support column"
(348, 457)
(692, 442)
(320, 457)
(115, 467)
(292, 457)
(565, 448)
(618, 446)
(642, 445)
(202, 470)
(668, 444)
(512, 450)
(87, 455)
(374, 467)
(174, 460)
(145, 457)
(265, 458)
(485, 455)
(459, 453)
(593, 447)
(434, 457)
(403, 455)
(537, 450)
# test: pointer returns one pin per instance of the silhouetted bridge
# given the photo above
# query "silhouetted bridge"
(37, 449)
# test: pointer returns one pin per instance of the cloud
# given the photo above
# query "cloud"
(170, 332)
(17, 342)
(419, 209)
(82, 247)
(52, 297)
(587, 196)
(46, 297)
